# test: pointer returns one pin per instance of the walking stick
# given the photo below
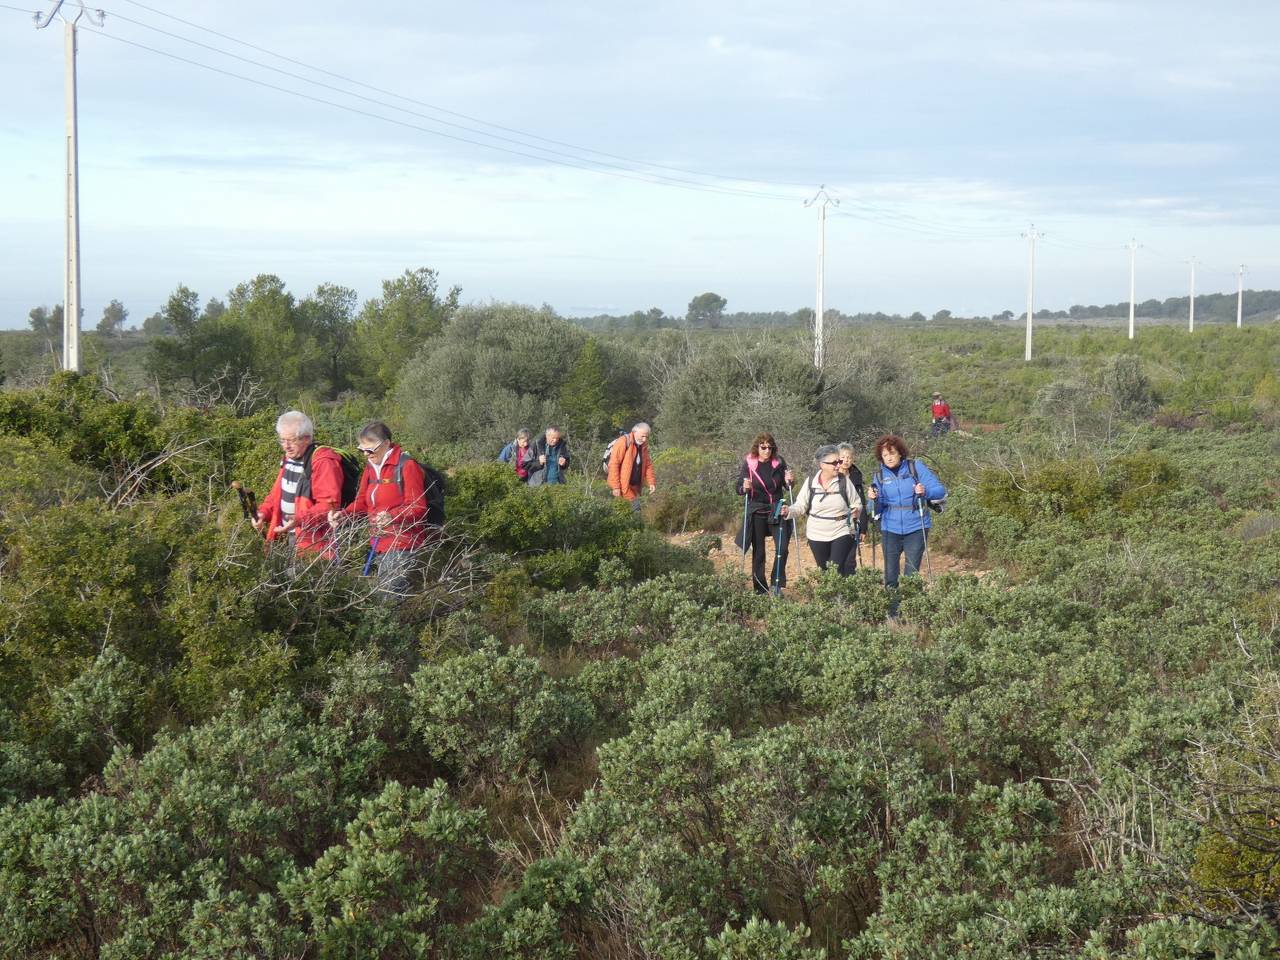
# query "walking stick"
(794, 532)
(248, 502)
(778, 536)
(924, 531)
(368, 561)
(745, 499)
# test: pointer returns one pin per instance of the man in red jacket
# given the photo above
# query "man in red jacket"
(308, 486)
(394, 500)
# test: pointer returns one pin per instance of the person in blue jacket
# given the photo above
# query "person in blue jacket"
(900, 493)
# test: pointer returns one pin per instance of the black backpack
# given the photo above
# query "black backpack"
(432, 486)
(352, 469)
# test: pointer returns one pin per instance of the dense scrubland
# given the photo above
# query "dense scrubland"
(576, 740)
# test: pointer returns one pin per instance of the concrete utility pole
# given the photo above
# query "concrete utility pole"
(1133, 249)
(1191, 315)
(1240, 297)
(818, 355)
(1032, 236)
(71, 308)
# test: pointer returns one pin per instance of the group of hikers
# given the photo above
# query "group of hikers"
(627, 461)
(319, 489)
(839, 505)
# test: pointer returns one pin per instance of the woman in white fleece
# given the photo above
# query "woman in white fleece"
(832, 504)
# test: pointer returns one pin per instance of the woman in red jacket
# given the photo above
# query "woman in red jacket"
(393, 498)
(307, 488)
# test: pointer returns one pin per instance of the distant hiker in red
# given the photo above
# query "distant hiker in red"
(943, 422)
(308, 486)
(394, 499)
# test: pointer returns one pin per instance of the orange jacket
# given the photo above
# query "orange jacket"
(622, 461)
(312, 513)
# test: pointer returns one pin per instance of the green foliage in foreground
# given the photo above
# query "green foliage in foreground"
(600, 749)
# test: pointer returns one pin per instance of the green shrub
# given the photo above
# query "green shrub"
(393, 885)
(492, 714)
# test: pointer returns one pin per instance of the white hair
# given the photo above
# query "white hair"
(297, 421)
(641, 426)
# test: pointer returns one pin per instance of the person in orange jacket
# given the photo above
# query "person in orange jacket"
(630, 465)
(307, 487)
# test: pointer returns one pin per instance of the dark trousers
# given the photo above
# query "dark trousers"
(839, 551)
(761, 532)
(896, 544)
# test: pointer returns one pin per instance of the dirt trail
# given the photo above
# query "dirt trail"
(727, 559)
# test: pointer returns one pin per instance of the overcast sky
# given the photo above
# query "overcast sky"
(943, 128)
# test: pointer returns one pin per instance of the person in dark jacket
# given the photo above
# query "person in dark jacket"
(550, 458)
(901, 489)
(518, 453)
(850, 470)
(763, 480)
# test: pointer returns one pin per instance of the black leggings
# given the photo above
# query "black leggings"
(761, 532)
(838, 551)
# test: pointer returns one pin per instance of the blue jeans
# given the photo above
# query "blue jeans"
(896, 544)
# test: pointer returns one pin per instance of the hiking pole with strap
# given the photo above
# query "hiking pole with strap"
(746, 497)
(248, 502)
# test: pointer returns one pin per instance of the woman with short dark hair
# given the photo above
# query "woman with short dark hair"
(762, 480)
(900, 493)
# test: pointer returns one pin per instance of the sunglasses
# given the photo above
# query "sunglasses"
(831, 463)
(367, 451)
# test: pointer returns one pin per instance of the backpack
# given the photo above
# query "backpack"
(608, 450)
(352, 470)
(844, 495)
(936, 506)
(432, 488)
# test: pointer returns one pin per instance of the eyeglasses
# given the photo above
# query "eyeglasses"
(831, 463)
(285, 441)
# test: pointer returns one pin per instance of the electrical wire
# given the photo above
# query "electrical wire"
(422, 116)
(635, 175)
(444, 110)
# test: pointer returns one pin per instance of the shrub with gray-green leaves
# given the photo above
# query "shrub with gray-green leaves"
(493, 713)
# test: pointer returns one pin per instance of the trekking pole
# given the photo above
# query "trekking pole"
(791, 516)
(248, 503)
(368, 561)
(924, 531)
(745, 499)
(778, 536)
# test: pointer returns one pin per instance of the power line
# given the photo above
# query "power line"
(634, 175)
(438, 109)
(423, 116)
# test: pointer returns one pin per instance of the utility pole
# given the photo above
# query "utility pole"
(1240, 297)
(1191, 316)
(1032, 236)
(1133, 249)
(818, 355)
(71, 309)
